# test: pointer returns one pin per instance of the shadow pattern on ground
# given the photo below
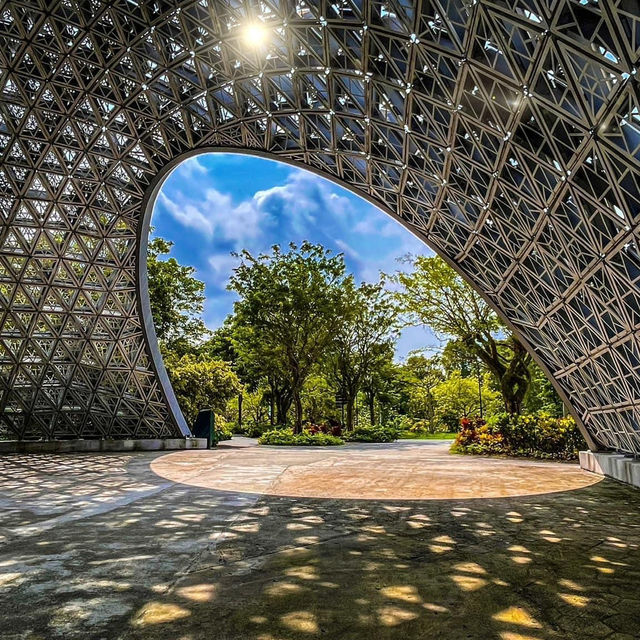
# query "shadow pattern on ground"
(134, 557)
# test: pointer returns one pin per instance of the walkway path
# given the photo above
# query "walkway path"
(237, 544)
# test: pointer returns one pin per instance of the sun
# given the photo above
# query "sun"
(255, 34)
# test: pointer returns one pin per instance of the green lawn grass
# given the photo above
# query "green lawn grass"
(410, 435)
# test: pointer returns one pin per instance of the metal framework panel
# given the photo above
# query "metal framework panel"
(506, 134)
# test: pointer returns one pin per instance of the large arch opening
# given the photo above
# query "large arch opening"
(189, 164)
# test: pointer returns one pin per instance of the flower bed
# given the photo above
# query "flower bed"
(286, 437)
(533, 436)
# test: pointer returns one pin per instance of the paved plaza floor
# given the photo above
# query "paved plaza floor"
(358, 542)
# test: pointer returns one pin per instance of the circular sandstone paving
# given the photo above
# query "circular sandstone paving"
(403, 470)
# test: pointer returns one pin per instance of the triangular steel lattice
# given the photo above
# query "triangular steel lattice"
(505, 134)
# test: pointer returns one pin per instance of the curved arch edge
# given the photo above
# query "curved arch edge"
(144, 302)
(144, 305)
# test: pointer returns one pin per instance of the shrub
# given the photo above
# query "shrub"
(534, 435)
(400, 423)
(372, 434)
(201, 383)
(421, 426)
(447, 421)
(252, 429)
(541, 435)
(223, 433)
(286, 437)
(476, 436)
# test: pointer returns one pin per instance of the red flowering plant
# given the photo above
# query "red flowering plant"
(327, 429)
(476, 436)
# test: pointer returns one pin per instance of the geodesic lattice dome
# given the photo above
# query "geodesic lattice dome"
(506, 134)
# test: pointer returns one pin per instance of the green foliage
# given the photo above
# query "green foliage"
(303, 331)
(362, 339)
(535, 435)
(223, 429)
(421, 376)
(458, 397)
(253, 429)
(254, 410)
(541, 396)
(423, 426)
(478, 437)
(289, 308)
(318, 399)
(372, 434)
(400, 423)
(176, 298)
(384, 389)
(433, 294)
(423, 435)
(286, 437)
(540, 435)
(456, 356)
(200, 383)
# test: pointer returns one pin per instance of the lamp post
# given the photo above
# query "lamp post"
(479, 387)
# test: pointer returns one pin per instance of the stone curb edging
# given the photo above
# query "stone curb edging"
(612, 465)
(94, 446)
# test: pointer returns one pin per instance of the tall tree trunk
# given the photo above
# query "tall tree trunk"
(297, 399)
(512, 405)
(513, 391)
(350, 400)
(371, 397)
(239, 409)
(272, 408)
(283, 402)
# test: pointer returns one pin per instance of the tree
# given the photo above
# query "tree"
(260, 362)
(253, 407)
(221, 346)
(290, 304)
(201, 383)
(383, 385)
(421, 376)
(541, 396)
(458, 397)
(361, 339)
(318, 399)
(176, 298)
(435, 295)
(456, 356)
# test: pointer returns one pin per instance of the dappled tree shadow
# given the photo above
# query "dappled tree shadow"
(186, 563)
(514, 569)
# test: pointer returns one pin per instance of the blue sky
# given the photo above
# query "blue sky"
(214, 204)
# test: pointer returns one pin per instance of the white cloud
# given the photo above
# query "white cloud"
(187, 214)
(347, 249)
(301, 204)
(304, 200)
(379, 227)
(234, 223)
(220, 268)
(190, 168)
(214, 214)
